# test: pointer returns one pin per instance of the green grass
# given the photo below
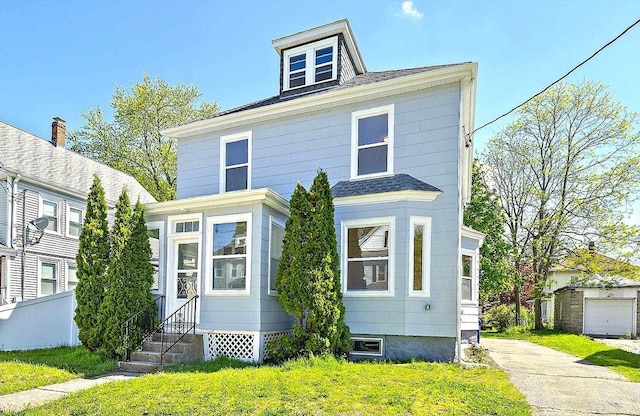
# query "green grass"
(317, 386)
(23, 370)
(620, 361)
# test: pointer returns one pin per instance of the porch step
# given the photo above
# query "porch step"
(138, 366)
(147, 360)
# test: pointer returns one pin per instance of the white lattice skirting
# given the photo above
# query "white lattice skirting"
(242, 345)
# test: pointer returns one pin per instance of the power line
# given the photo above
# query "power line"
(558, 80)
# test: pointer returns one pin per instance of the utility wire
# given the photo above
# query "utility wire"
(558, 80)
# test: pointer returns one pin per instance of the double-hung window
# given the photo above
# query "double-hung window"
(276, 237)
(420, 254)
(74, 220)
(372, 141)
(48, 278)
(49, 210)
(467, 277)
(235, 163)
(310, 64)
(367, 247)
(229, 247)
(72, 277)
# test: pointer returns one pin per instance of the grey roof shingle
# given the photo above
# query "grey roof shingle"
(36, 158)
(395, 183)
(599, 281)
(362, 79)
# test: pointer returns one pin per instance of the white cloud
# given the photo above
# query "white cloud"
(408, 10)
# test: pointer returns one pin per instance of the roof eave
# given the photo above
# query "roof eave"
(399, 85)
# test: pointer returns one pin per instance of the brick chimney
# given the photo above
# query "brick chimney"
(58, 130)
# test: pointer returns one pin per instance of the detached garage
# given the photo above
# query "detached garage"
(603, 306)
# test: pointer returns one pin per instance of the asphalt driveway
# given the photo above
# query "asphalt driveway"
(556, 383)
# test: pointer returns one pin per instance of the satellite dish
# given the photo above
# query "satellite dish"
(40, 223)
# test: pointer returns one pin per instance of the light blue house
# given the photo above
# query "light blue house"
(396, 147)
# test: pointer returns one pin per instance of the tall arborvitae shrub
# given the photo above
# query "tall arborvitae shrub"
(92, 260)
(326, 313)
(112, 311)
(308, 278)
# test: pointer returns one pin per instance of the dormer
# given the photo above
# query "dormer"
(318, 58)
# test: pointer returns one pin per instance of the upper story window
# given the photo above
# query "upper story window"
(310, 64)
(74, 218)
(372, 141)
(50, 211)
(235, 163)
(368, 255)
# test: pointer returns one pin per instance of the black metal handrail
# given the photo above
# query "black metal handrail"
(142, 325)
(178, 324)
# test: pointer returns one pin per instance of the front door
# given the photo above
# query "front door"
(184, 281)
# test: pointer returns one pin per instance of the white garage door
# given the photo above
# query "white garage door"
(608, 316)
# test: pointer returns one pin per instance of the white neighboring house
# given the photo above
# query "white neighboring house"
(40, 178)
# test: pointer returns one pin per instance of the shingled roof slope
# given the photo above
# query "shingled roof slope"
(36, 158)
(362, 79)
(394, 183)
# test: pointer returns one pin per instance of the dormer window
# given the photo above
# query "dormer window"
(310, 64)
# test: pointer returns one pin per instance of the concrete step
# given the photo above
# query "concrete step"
(154, 357)
(157, 337)
(179, 347)
(138, 366)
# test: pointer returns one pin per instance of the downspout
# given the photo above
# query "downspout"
(14, 189)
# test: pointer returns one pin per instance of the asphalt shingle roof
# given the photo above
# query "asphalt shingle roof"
(362, 79)
(599, 281)
(395, 183)
(36, 158)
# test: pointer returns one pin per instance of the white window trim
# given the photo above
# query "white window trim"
(371, 354)
(82, 214)
(161, 275)
(310, 66)
(245, 217)
(57, 271)
(474, 276)
(426, 256)
(58, 220)
(67, 266)
(272, 221)
(355, 116)
(369, 222)
(247, 135)
(173, 219)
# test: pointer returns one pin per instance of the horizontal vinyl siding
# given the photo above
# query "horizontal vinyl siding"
(273, 317)
(289, 150)
(5, 220)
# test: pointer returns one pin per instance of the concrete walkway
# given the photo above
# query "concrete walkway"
(35, 397)
(556, 383)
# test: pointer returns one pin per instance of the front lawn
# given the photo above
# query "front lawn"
(318, 386)
(581, 346)
(23, 370)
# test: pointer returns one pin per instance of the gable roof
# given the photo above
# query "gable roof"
(61, 170)
(379, 185)
(598, 281)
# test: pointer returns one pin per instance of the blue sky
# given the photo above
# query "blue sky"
(60, 58)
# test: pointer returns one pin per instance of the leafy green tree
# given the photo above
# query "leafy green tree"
(133, 143)
(566, 170)
(308, 278)
(92, 260)
(484, 213)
